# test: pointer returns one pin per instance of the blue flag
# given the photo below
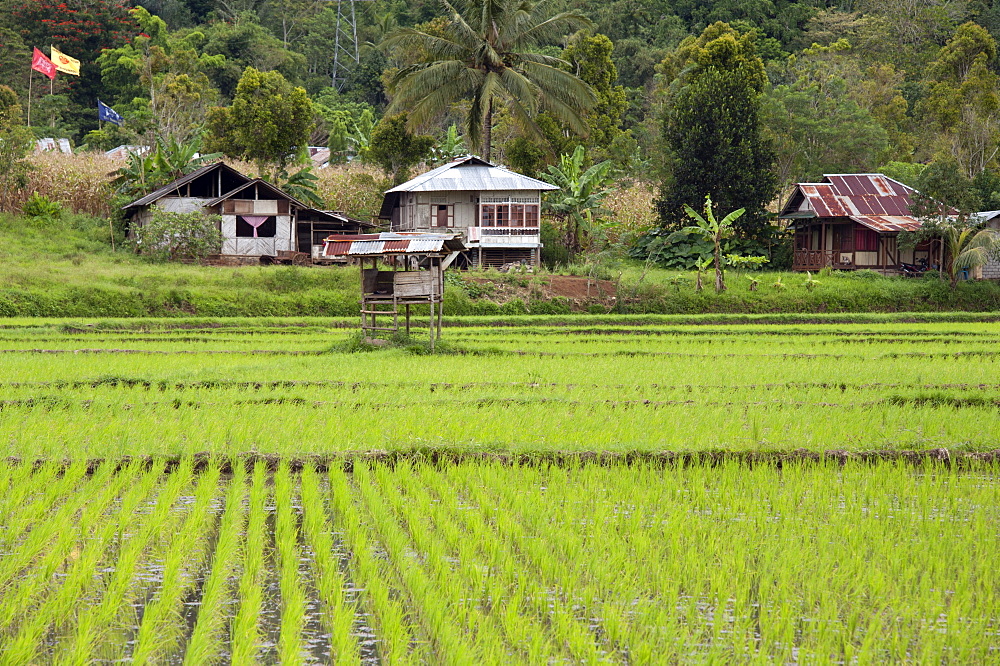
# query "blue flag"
(105, 112)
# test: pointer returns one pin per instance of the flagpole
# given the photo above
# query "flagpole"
(52, 80)
(31, 76)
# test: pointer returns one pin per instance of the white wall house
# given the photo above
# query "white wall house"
(496, 210)
(258, 219)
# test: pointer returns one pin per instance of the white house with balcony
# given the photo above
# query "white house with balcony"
(496, 210)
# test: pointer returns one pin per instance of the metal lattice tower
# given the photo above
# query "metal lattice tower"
(346, 53)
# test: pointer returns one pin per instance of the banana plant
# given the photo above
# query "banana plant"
(301, 185)
(579, 197)
(170, 160)
(716, 231)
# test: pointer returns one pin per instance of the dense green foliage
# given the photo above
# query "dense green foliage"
(179, 236)
(712, 130)
(804, 87)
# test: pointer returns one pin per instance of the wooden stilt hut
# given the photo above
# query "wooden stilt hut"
(398, 270)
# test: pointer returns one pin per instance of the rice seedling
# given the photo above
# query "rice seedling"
(206, 644)
(330, 581)
(293, 596)
(102, 624)
(159, 633)
(397, 643)
(245, 630)
(54, 611)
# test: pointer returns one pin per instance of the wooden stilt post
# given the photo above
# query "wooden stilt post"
(407, 318)
(440, 276)
(430, 327)
(364, 322)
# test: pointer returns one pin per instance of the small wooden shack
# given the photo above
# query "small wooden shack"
(852, 221)
(259, 221)
(411, 273)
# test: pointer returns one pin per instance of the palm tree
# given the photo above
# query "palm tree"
(967, 248)
(486, 54)
(716, 231)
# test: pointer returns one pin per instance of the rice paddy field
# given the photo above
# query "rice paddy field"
(259, 491)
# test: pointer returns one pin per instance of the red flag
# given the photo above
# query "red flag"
(42, 64)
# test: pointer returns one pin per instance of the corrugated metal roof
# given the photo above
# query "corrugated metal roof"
(391, 243)
(268, 186)
(871, 199)
(183, 180)
(887, 223)
(471, 173)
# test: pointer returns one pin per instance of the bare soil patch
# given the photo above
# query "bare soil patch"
(580, 291)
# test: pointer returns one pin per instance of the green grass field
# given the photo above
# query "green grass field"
(65, 268)
(343, 544)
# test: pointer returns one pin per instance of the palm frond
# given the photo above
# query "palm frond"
(976, 248)
(522, 90)
(526, 122)
(561, 84)
(465, 32)
(564, 113)
(438, 48)
(422, 81)
(439, 99)
(541, 59)
(556, 26)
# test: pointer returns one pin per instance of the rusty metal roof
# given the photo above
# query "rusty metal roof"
(366, 245)
(872, 199)
(887, 223)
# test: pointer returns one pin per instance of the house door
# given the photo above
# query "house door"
(444, 216)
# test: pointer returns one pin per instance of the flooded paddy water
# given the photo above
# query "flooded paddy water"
(510, 564)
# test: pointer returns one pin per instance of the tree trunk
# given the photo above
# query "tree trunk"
(488, 130)
(720, 282)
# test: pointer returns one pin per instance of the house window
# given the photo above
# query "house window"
(866, 240)
(256, 226)
(530, 215)
(843, 239)
(495, 215)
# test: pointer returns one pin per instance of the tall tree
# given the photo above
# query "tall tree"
(962, 104)
(487, 53)
(15, 141)
(395, 149)
(163, 77)
(268, 122)
(712, 130)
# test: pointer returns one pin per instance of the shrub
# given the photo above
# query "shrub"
(179, 236)
(39, 208)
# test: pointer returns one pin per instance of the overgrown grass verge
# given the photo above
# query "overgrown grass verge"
(65, 267)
